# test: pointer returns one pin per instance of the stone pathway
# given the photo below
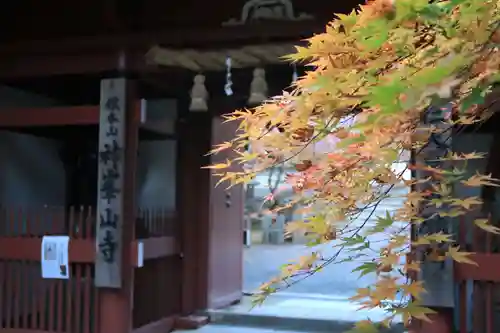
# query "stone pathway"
(317, 304)
(263, 262)
(213, 328)
(295, 312)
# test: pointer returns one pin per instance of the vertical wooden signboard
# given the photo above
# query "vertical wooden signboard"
(109, 224)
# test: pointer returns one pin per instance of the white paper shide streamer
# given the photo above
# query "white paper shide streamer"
(295, 76)
(199, 94)
(229, 83)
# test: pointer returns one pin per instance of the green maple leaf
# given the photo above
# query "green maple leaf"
(382, 223)
(373, 35)
(475, 97)
(366, 268)
(387, 96)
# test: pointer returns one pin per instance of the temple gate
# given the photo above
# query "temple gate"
(168, 244)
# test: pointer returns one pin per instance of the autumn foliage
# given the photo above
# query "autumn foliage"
(373, 75)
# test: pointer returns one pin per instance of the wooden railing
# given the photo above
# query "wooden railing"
(478, 285)
(30, 303)
(157, 291)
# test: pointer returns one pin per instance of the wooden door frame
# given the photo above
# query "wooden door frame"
(195, 140)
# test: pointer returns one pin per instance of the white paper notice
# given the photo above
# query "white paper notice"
(54, 261)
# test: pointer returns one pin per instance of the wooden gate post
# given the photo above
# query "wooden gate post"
(211, 218)
(194, 207)
(115, 220)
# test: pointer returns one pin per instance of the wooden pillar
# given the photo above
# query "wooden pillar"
(194, 130)
(116, 283)
(211, 218)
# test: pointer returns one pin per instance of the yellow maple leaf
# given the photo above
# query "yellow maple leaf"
(465, 120)
(473, 155)
(487, 226)
(460, 256)
(481, 180)
(414, 289)
(421, 241)
(361, 293)
(441, 237)
(294, 226)
(386, 288)
(390, 260)
(220, 147)
(218, 166)
(420, 312)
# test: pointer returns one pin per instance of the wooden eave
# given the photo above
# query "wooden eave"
(215, 60)
(102, 53)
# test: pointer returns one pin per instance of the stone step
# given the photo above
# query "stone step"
(215, 328)
(284, 323)
(298, 314)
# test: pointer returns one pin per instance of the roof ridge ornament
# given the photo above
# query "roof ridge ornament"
(276, 10)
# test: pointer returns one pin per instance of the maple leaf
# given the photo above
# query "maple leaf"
(218, 148)
(466, 120)
(481, 180)
(460, 256)
(487, 226)
(414, 310)
(218, 166)
(414, 289)
(469, 202)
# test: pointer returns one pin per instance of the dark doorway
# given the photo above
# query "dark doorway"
(79, 155)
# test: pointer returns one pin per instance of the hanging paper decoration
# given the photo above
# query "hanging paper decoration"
(295, 76)
(258, 87)
(229, 83)
(199, 94)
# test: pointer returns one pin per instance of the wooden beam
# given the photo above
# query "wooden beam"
(80, 250)
(26, 65)
(81, 55)
(180, 38)
(83, 250)
(487, 269)
(53, 116)
(49, 116)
